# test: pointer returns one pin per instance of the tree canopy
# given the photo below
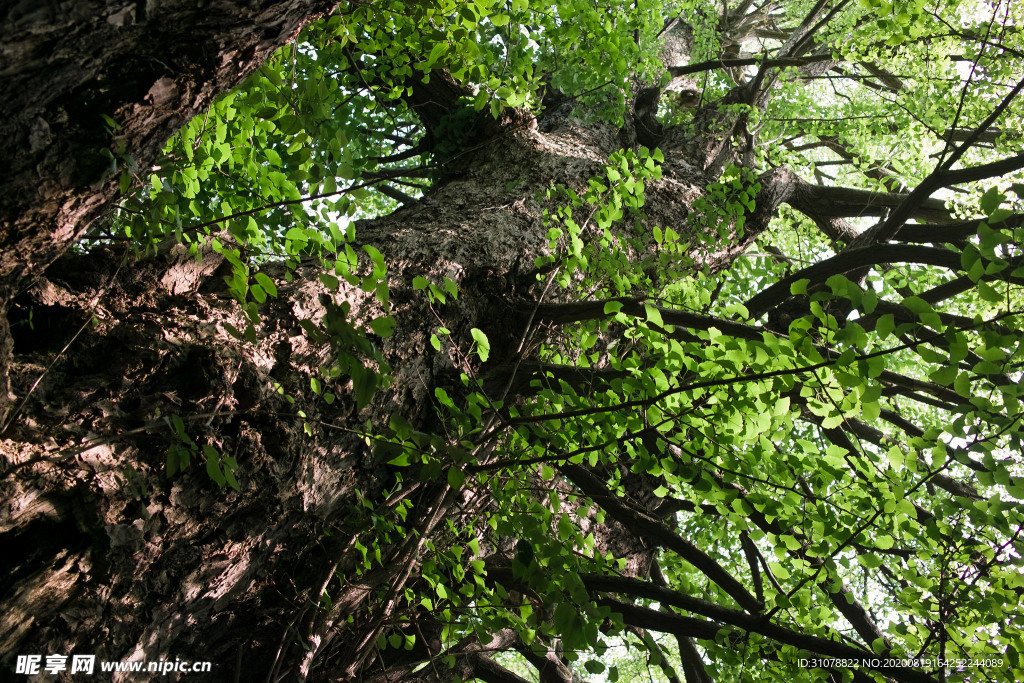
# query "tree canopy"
(748, 408)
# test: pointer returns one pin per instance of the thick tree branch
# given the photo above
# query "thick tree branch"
(565, 313)
(990, 136)
(654, 529)
(848, 260)
(727, 63)
(842, 202)
(707, 630)
(952, 232)
(983, 171)
(939, 178)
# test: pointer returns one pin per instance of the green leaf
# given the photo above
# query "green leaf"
(989, 293)
(266, 283)
(456, 477)
(991, 200)
(653, 315)
(383, 326)
(611, 307)
(364, 385)
(483, 346)
(376, 257)
(885, 325)
(944, 375)
(329, 281)
(213, 467)
(258, 293)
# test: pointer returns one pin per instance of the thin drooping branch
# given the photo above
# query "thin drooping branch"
(831, 357)
(865, 431)
(842, 597)
(877, 171)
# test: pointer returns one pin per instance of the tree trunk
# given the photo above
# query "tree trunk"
(114, 558)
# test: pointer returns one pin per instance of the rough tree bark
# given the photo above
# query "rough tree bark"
(66, 69)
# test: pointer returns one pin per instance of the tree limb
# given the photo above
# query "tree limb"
(655, 530)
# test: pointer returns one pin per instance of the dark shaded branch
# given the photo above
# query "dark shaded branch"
(395, 194)
(707, 630)
(434, 100)
(712, 64)
(388, 136)
(804, 32)
(399, 156)
(489, 671)
(888, 79)
(951, 232)
(948, 399)
(938, 178)
(947, 290)
(843, 202)
(562, 314)
(963, 283)
(651, 644)
(692, 663)
(580, 379)
(750, 552)
(848, 260)
(649, 527)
